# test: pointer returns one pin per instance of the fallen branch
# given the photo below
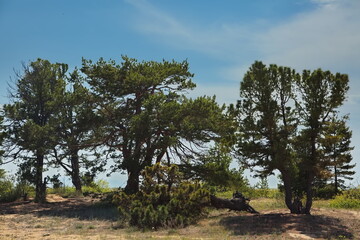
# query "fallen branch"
(236, 204)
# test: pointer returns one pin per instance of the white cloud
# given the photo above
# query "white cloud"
(325, 37)
(220, 40)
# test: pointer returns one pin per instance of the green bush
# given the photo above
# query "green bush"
(325, 192)
(62, 191)
(10, 192)
(348, 199)
(100, 186)
(164, 200)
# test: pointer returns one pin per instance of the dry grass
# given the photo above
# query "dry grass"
(81, 219)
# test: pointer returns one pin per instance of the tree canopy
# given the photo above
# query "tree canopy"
(136, 115)
(148, 118)
(29, 131)
(281, 116)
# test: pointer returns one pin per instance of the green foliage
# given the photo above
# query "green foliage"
(213, 168)
(2, 173)
(164, 200)
(283, 121)
(100, 186)
(10, 190)
(28, 118)
(56, 181)
(146, 117)
(326, 191)
(262, 184)
(336, 150)
(253, 193)
(347, 199)
(73, 124)
(6, 190)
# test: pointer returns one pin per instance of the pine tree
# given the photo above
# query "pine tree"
(28, 118)
(147, 119)
(74, 125)
(335, 142)
(281, 117)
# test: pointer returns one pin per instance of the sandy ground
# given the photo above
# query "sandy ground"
(79, 218)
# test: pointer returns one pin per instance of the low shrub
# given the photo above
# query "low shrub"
(325, 192)
(100, 186)
(164, 200)
(348, 199)
(62, 191)
(10, 192)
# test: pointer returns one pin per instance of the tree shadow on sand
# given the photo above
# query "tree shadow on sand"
(313, 226)
(71, 208)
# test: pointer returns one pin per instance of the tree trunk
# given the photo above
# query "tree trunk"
(309, 194)
(293, 203)
(236, 204)
(75, 175)
(40, 186)
(336, 180)
(132, 185)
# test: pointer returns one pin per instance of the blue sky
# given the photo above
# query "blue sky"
(219, 38)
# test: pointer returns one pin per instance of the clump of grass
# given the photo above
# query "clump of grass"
(38, 226)
(79, 226)
(91, 227)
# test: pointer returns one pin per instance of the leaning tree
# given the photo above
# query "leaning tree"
(146, 117)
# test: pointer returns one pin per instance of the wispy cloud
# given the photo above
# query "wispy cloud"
(215, 39)
(326, 37)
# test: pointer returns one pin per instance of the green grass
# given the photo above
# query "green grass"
(254, 193)
(98, 187)
(267, 204)
(342, 201)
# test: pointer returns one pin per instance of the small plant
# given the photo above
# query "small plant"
(91, 227)
(79, 226)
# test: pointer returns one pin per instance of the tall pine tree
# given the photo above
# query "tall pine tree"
(336, 149)
(28, 118)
